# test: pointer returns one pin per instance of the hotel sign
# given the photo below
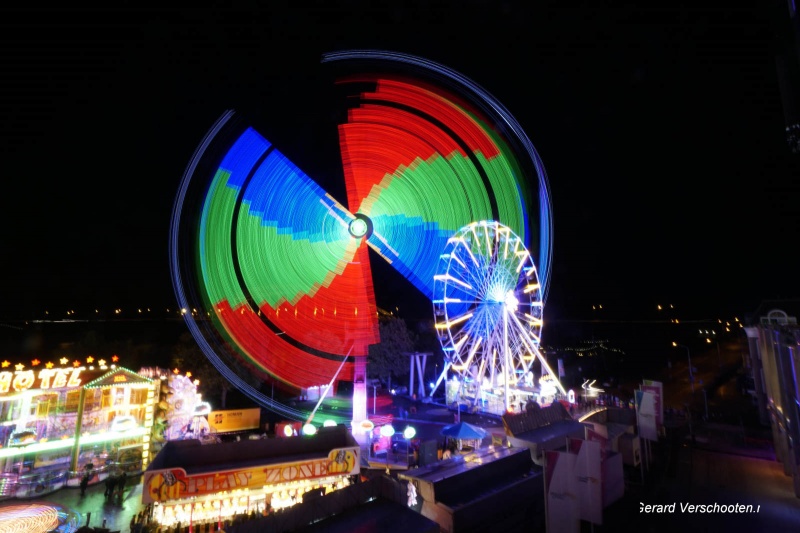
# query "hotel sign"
(175, 483)
(47, 378)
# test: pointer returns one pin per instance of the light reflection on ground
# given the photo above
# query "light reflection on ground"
(37, 517)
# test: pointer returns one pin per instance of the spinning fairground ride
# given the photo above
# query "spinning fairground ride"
(275, 272)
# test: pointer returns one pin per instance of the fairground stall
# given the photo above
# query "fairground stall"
(57, 422)
(191, 484)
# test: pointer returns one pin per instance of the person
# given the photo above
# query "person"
(121, 484)
(85, 482)
(110, 485)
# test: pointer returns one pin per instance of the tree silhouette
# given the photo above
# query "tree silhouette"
(187, 356)
(387, 359)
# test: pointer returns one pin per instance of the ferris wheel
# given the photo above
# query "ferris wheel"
(488, 308)
(276, 269)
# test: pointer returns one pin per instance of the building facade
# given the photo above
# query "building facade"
(774, 341)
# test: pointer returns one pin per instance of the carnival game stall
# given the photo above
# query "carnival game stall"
(463, 436)
(192, 484)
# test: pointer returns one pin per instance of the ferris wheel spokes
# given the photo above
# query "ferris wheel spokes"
(488, 309)
(538, 355)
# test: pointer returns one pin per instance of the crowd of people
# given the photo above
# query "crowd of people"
(115, 483)
(115, 486)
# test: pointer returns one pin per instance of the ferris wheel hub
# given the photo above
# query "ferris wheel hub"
(511, 302)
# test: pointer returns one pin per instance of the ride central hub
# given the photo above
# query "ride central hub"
(360, 226)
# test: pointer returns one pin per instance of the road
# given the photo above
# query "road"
(92, 507)
(695, 476)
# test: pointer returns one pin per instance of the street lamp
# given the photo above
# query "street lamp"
(387, 431)
(689, 357)
(408, 434)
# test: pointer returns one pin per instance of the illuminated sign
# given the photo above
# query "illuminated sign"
(234, 420)
(174, 483)
(656, 388)
(48, 378)
(120, 376)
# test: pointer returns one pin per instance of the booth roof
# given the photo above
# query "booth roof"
(460, 464)
(197, 458)
(464, 431)
(562, 428)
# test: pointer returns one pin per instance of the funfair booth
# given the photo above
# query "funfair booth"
(192, 484)
(56, 421)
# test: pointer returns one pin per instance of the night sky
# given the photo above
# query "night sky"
(661, 130)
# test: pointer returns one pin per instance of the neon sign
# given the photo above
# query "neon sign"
(48, 378)
(175, 483)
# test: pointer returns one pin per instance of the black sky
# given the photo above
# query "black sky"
(661, 131)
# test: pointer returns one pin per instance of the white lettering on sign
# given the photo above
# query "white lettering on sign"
(49, 378)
